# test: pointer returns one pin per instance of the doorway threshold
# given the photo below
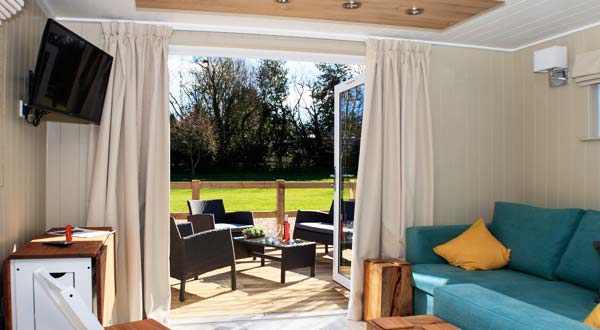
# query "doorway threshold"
(258, 317)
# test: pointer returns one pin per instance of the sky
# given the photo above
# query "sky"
(297, 71)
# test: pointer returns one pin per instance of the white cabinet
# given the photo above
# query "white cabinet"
(32, 309)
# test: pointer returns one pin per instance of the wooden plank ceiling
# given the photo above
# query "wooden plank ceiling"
(438, 14)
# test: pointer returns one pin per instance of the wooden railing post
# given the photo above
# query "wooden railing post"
(195, 189)
(280, 212)
(352, 190)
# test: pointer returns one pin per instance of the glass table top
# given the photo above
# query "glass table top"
(273, 242)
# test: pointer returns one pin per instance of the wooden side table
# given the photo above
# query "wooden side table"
(420, 322)
(387, 288)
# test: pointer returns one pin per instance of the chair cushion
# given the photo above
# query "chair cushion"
(536, 236)
(232, 226)
(476, 248)
(560, 297)
(581, 263)
(319, 227)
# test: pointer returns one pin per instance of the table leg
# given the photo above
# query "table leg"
(282, 275)
(312, 271)
(262, 262)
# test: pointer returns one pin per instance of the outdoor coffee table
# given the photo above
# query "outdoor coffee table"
(294, 253)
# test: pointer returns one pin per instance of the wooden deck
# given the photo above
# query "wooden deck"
(259, 291)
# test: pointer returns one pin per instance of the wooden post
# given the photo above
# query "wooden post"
(280, 212)
(195, 189)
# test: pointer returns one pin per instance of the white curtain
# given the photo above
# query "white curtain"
(395, 175)
(129, 187)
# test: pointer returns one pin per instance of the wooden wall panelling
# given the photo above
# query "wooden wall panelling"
(560, 170)
(22, 195)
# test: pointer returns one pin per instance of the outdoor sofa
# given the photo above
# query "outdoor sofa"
(317, 226)
(551, 282)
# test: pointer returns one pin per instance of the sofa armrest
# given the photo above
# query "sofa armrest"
(471, 307)
(420, 242)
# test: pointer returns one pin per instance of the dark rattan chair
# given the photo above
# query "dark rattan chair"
(196, 253)
(236, 221)
(317, 226)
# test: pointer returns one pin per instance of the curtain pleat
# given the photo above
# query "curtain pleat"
(395, 175)
(129, 187)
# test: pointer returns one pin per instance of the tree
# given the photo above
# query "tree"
(315, 119)
(224, 89)
(191, 134)
(277, 116)
(235, 114)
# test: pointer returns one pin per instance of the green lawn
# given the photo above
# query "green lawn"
(257, 199)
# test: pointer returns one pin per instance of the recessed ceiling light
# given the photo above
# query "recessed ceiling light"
(282, 1)
(352, 4)
(414, 11)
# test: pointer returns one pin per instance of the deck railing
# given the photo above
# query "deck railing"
(279, 186)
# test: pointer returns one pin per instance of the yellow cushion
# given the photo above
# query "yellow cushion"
(476, 248)
(594, 318)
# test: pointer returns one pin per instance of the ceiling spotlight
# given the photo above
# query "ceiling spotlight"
(282, 1)
(352, 4)
(414, 11)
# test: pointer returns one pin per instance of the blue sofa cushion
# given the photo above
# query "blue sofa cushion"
(581, 264)
(560, 297)
(472, 307)
(537, 237)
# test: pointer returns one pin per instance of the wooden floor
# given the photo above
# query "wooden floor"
(259, 291)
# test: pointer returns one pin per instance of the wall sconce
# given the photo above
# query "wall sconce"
(552, 60)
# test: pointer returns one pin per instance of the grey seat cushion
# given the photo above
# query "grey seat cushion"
(232, 226)
(318, 227)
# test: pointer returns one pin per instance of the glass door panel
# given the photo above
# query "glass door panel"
(349, 104)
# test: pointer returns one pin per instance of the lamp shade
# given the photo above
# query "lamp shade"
(551, 58)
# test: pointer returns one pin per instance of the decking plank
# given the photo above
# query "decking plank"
(259, 291)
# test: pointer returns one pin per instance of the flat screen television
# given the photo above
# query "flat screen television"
(71, 75)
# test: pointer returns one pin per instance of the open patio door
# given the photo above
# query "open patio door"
(349, 104)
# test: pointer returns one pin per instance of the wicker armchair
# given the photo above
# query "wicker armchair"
(317, 226)
(194, 254)
(236, 221)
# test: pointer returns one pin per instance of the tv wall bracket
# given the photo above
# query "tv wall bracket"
(31, 115)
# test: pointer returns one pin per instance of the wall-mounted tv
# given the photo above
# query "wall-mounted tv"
(71, 75)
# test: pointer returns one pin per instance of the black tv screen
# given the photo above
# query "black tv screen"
(71, 75)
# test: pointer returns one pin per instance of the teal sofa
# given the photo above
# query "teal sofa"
(553, 275)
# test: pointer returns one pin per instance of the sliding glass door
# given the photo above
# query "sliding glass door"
(349, 103)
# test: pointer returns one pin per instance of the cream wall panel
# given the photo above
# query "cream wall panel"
(67, 157)
(477, 134)
(23, 147)
(560, 170)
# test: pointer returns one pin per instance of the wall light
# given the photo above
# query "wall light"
(552, 60)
